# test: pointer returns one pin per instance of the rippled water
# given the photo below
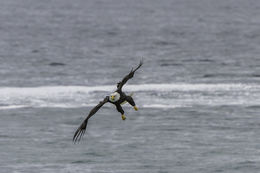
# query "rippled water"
(198, 91)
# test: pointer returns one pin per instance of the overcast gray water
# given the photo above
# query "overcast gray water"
(198, 91)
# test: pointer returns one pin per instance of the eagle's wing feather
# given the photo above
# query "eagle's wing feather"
(82, 128)
(129, 76)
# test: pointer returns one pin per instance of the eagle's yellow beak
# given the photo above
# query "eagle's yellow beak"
(112, 97)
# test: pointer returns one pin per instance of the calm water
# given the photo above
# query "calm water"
(198, 91)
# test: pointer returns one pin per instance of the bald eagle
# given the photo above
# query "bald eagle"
(117, 98)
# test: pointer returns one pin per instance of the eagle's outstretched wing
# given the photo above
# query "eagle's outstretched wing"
(82, 128)
(129, 76)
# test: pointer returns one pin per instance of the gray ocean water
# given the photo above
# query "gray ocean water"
(198, 91)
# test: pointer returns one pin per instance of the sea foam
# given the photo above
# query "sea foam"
(174, 95)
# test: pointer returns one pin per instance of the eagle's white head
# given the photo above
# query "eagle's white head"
(114, 97)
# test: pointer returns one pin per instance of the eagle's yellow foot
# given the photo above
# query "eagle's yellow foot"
(135, 108)
(123, 117)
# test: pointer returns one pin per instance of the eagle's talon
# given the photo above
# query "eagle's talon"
(135, 108)
(123, 117)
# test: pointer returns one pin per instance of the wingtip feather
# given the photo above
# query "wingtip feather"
(80, 132)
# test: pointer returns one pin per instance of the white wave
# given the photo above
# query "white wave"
(49, 90)
(69, 106)
(191, 87)
(161, 106)
(60, 105)
(13, 107)
(78, 96)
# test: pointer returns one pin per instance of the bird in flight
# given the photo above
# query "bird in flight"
(117, 98)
